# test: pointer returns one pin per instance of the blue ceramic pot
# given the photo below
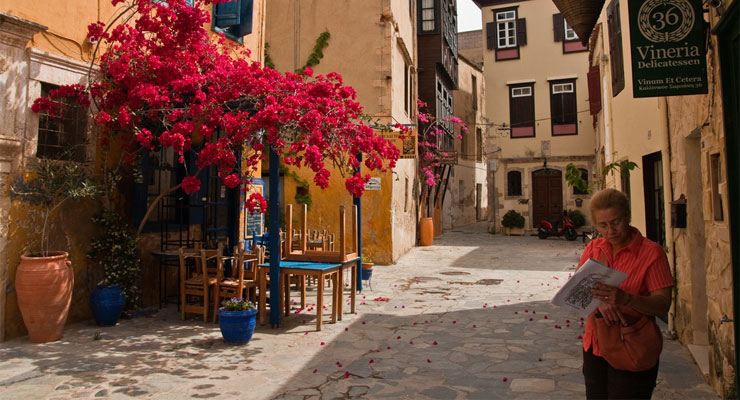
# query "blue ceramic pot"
(237, 326)
(107, 304)
(366, 274)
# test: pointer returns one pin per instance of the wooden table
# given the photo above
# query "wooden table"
(320, 271)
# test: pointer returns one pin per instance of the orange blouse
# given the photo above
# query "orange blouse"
(645, 264)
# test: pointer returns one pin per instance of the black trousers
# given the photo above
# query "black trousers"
(605, 382)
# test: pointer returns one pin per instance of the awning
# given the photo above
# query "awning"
(581, 15)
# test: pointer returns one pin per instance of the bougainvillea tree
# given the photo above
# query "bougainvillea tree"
(165, 82)
(431, 151)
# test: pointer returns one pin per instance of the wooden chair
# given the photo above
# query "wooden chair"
(196, 285)
(240, 279)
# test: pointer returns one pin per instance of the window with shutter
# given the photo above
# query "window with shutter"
(557, 27)
(615, 46)
(594, 89)
(506, 34)
(521, 110)
(563, 112)
(233, 18)
(514, 183)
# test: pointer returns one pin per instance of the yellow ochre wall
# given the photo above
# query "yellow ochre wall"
(367, 48)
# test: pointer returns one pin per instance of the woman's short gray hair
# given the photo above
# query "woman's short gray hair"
(610, 198)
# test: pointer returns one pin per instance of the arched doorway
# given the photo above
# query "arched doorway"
(547, 195)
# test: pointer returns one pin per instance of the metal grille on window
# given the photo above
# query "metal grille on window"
(62, 137)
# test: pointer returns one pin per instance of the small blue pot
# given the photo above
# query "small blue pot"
(237, 327)
(107, 304)
(367, 274)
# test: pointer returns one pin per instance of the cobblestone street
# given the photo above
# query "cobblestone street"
(466, 318)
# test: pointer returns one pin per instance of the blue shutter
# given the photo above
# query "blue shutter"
(245, 27)
(227, 14)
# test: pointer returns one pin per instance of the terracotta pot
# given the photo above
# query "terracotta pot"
(426, 231)
(44, 286)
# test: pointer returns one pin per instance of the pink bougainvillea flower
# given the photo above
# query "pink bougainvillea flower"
(429, 361)
(454, 322)
(372, 361)
(398, 337)
(505, 379)
(388, 348)
(322, 343)
(580, 337)
(346, 329)
(531, 319)
(346, 375)
(539, 359)
(315, 371)
(435, 343)
(516, 312)
(545, 317)
(474, 326)
(339, 364)
(363, 322)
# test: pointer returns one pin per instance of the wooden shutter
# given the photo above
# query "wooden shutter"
(491, 36)
(594, 89)
(558, 28)
(245, 26)
(557, 107)
(227, 14)
(521, 32)
(615, 47)
(570, 112)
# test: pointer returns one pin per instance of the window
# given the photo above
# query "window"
(521, 110)
(506, 34)
(427, 16)
(406, 196)
(450, 25)
(616, 59)
(584, 177)
(506, 29)
(716, 171)
(594, 89)
(479, 144)
(233, 18)
(475, 91)
(461, 192)
(570, 34)
(563, 112)
(514, 183)
(62, 137)
(161, 171)
(408, 89)
(444, 111)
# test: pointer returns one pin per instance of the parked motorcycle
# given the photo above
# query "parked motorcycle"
(564, 227)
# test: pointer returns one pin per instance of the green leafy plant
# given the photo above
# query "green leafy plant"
(115, 251)
(53, 183)
(237, 304)
(367, 259)
(302, 195)
(577, 218)
(574, 178)
(512, 219)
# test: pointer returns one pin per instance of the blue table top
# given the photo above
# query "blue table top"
(304, 265)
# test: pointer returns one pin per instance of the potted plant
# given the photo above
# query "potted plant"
(44, 279)
(367, 267)
(513, 222)
(115, 251)
(237, 318)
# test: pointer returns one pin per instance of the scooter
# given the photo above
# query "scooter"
(549, 227)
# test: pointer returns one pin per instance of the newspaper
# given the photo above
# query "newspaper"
(576, 296)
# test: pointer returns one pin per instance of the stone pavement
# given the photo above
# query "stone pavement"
(466, 318)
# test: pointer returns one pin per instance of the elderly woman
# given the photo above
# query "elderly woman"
(646, 291)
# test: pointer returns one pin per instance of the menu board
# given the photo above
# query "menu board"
(253, 223)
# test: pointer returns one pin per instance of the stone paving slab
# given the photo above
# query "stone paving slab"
(467, 318)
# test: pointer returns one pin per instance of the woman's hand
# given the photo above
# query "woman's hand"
(610, 297)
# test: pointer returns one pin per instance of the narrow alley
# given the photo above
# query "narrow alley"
(466, 318)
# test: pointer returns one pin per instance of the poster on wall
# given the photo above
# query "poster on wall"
(252, 223)
(406, 145)
(668, 47)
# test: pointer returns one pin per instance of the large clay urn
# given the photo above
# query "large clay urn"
(44, 289)
(426, 231)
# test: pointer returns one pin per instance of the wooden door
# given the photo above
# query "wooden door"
(652, 175)
(547, 195)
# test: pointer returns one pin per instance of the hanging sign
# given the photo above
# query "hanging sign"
(668, 47)
(373, 184)
(407, 145)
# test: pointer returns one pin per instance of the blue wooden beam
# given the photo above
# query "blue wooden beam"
(357, 201)
(274, 239)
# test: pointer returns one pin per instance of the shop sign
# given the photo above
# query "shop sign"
(373, 184)
(668, 47)
(407, 144)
